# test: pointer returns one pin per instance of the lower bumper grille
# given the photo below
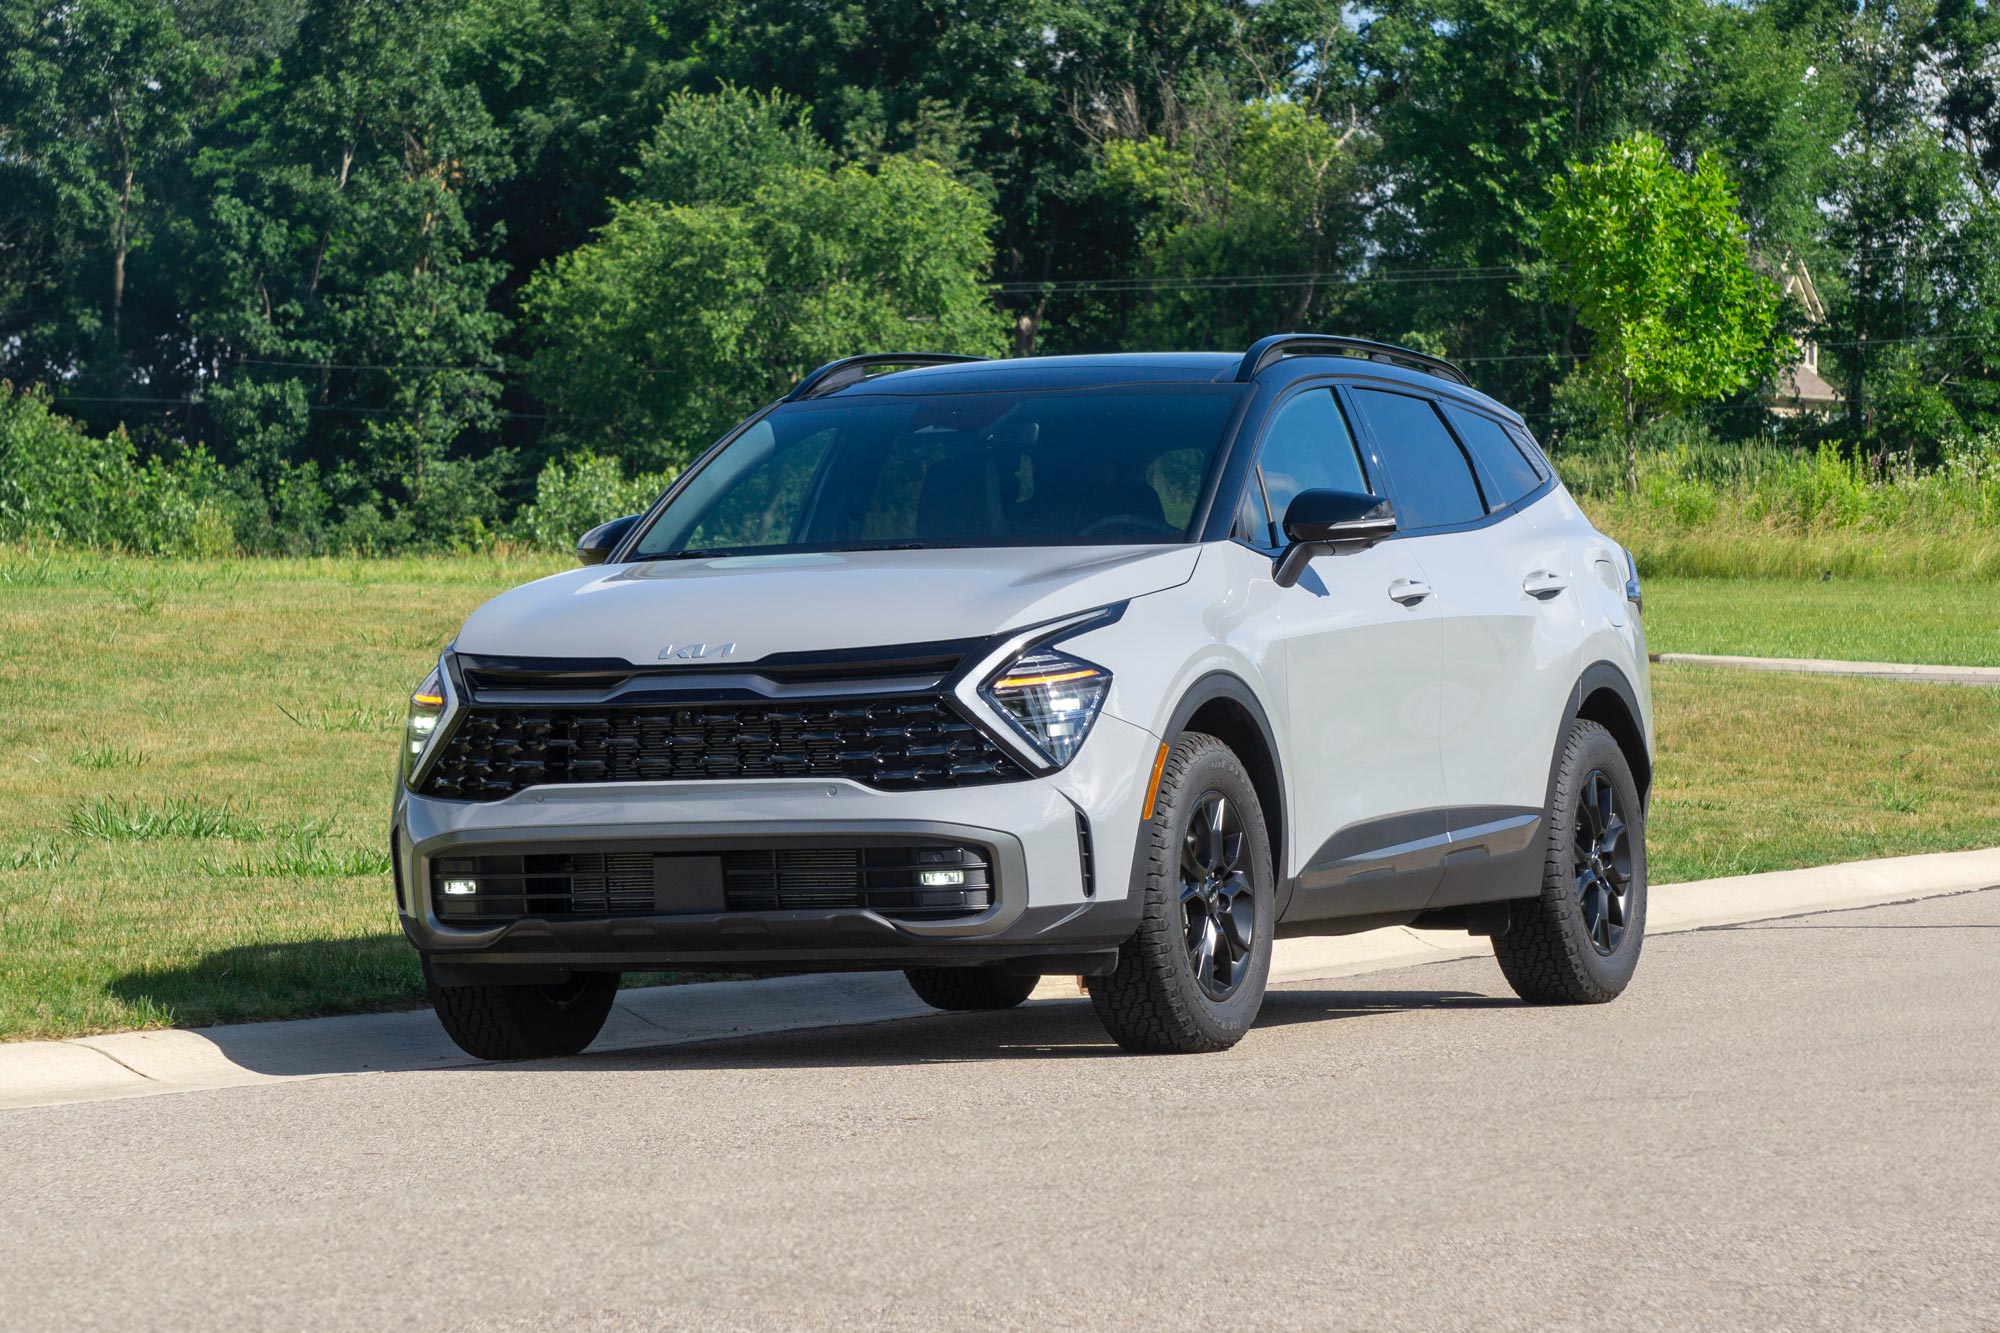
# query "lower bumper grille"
(919, 881)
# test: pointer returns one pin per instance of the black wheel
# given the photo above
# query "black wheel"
(524, 1022)
(1192, 978)
(968, 987)
(1579, 942)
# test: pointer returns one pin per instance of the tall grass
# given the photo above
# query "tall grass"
(1706, 509)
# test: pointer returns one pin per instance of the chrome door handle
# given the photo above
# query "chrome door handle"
(1408, 592)
(1544, 584)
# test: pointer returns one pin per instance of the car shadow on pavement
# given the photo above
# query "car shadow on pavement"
(1051, 1031)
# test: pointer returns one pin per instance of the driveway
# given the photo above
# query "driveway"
(1794, 1122)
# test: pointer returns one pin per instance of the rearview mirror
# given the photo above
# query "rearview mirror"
(1322, 522)
(595, 546)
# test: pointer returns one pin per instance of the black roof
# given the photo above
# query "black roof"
(1132, 368)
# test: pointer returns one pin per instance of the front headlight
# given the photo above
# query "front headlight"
(426, 708)
(1051, 698)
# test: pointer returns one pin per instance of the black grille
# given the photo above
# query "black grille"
(908, 882)
(902, 743)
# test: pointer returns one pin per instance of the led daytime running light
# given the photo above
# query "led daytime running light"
(1022, 682)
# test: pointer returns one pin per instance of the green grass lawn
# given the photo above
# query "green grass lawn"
(193, 818)
(1875, 620)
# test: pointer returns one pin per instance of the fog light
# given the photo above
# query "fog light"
(461, 888)
(935, 879)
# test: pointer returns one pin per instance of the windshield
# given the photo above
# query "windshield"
(1075, 467)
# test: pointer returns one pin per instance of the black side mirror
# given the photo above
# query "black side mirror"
(1322, 522)
(596, 545)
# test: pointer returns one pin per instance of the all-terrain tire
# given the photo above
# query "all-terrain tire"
(1154, 1002)
(1551, 952)
(524, 1022)
(968, 988)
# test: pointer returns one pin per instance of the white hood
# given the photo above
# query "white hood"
(807, 602)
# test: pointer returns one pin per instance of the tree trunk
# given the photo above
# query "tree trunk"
(1028, 326)
(1631, 442)
(119, 245)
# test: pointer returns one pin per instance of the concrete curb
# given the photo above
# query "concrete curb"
(138, 1064)
(1810, 666)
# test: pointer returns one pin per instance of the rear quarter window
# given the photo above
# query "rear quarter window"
(1509, 472)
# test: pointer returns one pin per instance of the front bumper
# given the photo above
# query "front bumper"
(1043, 916)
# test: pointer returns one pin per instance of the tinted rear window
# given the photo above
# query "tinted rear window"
(1508, 470)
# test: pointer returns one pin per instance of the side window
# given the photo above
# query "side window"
(1307, 447)
(1434, 483)
(1253, 521)
(1507, 468)
(1536, 458)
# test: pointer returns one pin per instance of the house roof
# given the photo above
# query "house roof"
(1802, 385)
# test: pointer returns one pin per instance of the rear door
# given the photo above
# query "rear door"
(1510, 622)
(1361, 641)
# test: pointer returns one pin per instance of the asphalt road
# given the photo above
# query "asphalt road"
(1792, 1123)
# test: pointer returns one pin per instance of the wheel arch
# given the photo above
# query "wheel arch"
(1604, 694)
(1224, 706)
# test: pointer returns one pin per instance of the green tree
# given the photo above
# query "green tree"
(722, 148)
(1269, 187)
(679, 319)
(1655, 260)
(1482, 102)
(349, 310)
(100, 98)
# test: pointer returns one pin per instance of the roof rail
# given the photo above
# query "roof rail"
(853, 369)
(1266, 351)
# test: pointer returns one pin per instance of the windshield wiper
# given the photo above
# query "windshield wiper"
(698, 553)
(899, 546)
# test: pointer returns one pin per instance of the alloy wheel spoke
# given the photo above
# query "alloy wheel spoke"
(1204, 951)
(1590, 824)
(1607, 810)
(1239, 923)
(1191, 862)
(1217, 811)
(1613, 831)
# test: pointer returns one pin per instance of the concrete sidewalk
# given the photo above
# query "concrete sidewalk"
(135, 1064)
(1814, 666)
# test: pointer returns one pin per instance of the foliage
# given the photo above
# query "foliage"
(1271, 187)
(575, 495)
(757, 259)
(343, 245)
(58, 483)
(1655, 261)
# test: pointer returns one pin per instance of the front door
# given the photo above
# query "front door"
(1361, 644)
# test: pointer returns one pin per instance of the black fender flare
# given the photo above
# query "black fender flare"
(1221, 684)
(1597, 677)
